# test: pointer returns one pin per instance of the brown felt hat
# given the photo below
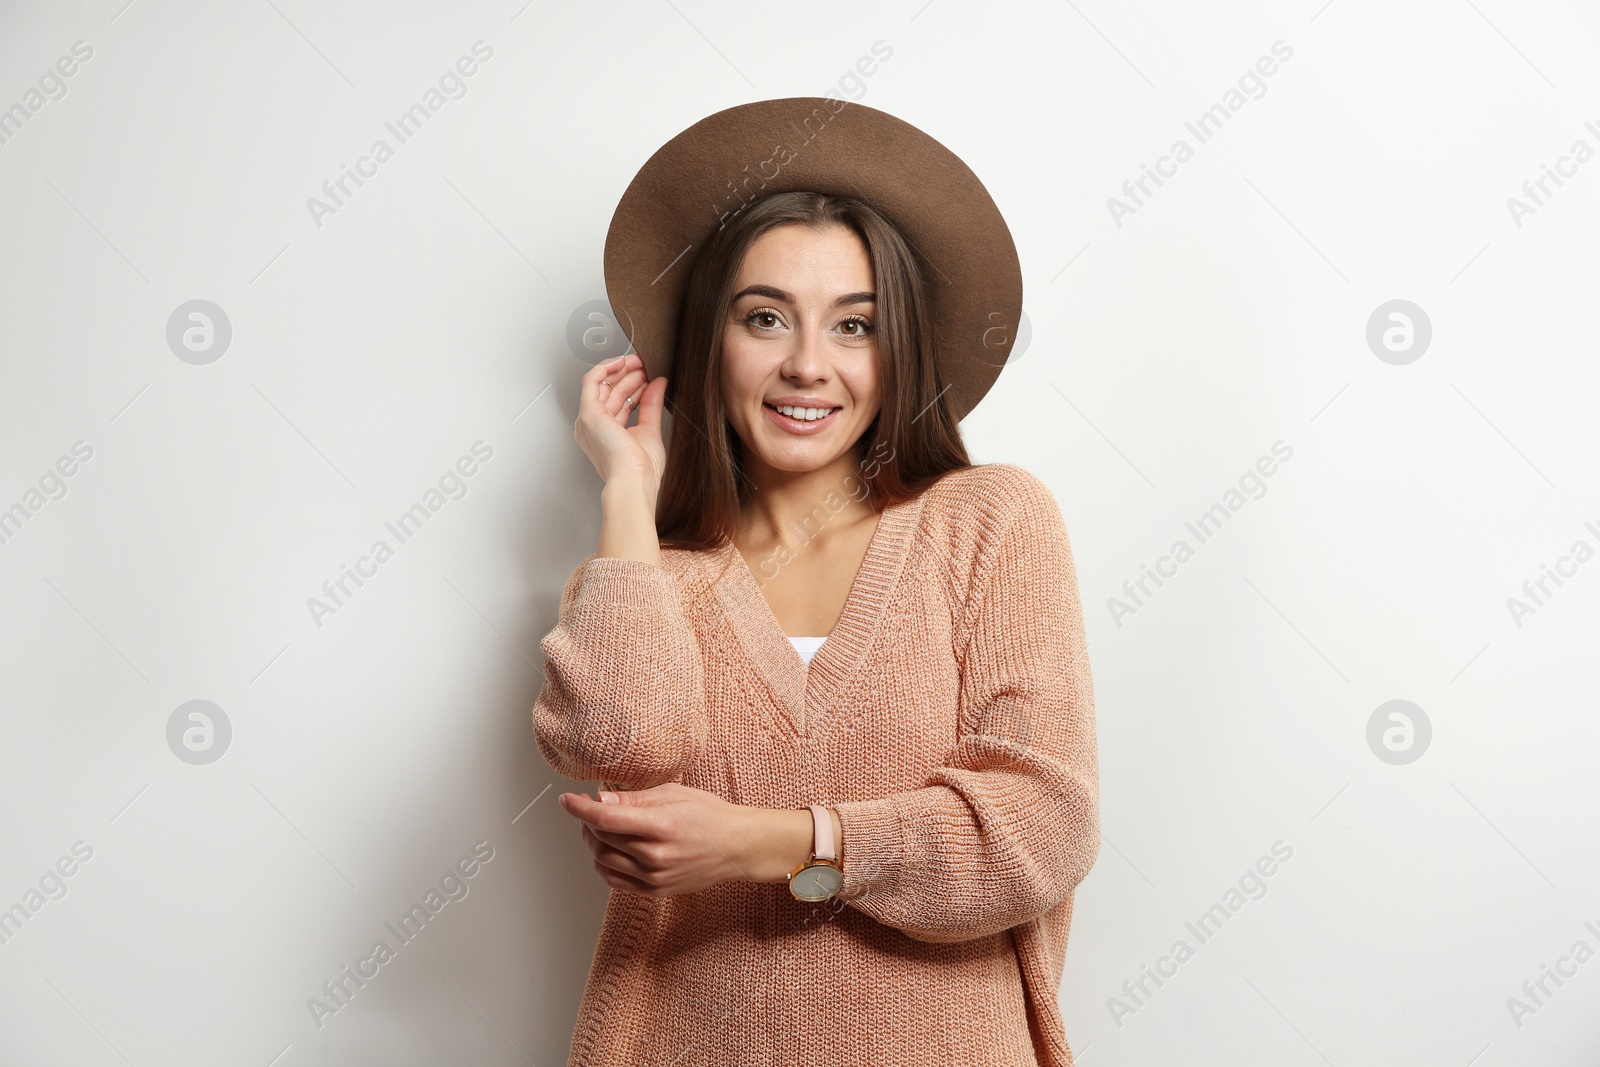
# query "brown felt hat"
(706, 174)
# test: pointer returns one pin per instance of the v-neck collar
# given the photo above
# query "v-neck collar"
(805, 695)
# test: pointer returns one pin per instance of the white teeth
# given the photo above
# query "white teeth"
(804, 414)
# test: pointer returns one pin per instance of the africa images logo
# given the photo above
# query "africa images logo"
(452, 886)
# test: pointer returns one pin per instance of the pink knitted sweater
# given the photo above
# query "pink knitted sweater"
(948, 718)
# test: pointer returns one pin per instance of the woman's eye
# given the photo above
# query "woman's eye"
(759, 319)
(855, 327)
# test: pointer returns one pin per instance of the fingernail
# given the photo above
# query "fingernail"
(610, 798)
(563, 799)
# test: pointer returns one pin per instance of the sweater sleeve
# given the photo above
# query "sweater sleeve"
(623, 700)
(1008, 827)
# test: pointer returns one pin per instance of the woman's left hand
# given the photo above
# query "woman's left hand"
(667, 840)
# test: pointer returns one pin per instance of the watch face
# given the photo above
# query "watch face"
(817, 882)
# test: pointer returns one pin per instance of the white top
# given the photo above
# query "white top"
(807, 646)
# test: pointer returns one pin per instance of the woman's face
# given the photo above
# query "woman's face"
(801, 332)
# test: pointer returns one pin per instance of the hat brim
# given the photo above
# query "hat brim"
(705, 175)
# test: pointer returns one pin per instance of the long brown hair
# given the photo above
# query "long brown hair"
(915, 438)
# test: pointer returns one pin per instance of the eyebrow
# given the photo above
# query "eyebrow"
(773, 293)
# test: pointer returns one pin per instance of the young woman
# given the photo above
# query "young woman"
(830, 674)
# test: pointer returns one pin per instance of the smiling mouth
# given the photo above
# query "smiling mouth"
(799, 423)
(795, 412)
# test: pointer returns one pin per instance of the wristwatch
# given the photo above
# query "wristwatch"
(821, 876)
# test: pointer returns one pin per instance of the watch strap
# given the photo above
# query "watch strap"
(822, 840)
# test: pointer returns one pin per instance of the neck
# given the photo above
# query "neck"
(794, 507)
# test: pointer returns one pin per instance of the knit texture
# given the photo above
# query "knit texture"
(948, 718)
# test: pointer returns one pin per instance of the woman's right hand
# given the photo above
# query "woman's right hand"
(616, 449)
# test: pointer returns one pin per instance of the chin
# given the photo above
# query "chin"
(798, 464)
(806, 457)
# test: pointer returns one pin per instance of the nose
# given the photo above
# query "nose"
(805, 361)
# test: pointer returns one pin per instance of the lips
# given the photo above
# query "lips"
(800, 427)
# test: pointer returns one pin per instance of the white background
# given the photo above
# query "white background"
(1167, 354)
